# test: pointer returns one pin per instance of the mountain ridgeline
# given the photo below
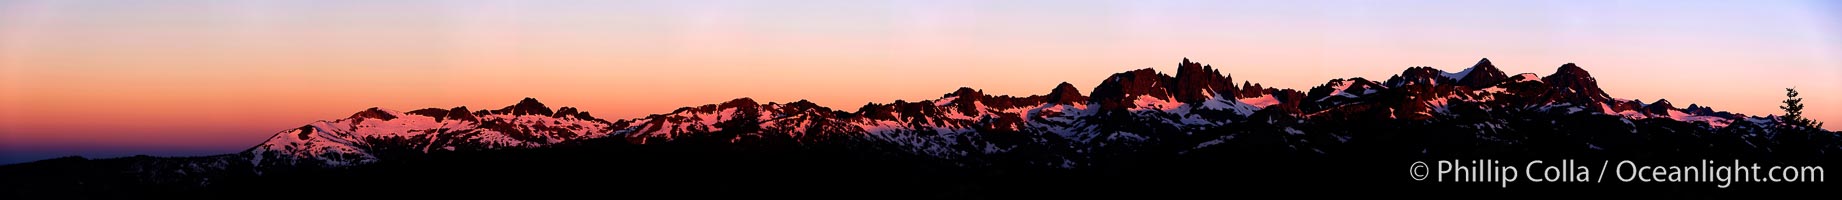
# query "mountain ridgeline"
(1139, 133)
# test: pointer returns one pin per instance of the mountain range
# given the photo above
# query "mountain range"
(1134, 127)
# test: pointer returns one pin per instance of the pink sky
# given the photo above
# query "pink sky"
(108, 78)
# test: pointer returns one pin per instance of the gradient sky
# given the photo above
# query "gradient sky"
(116, 78)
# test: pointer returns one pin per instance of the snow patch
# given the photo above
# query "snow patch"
(1340, 87)
(1213, 142)
(1458, 76)
(1128, 136)
(1494, 89)
(1144, 102)
(1524, 77)
(1261, 102)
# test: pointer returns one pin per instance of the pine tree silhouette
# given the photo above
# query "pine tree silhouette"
(1794, 112)
(1798, 137)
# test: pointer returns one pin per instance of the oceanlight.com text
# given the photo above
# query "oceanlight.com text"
(1720, 174)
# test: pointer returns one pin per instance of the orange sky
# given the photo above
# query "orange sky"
(217, 77)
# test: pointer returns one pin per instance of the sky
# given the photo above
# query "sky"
(180, 78)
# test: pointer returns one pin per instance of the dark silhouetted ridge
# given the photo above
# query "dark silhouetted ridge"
(1066, 94)
(1483, 75)
(528, 106)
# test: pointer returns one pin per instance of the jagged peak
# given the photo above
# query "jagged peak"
(1120, 88)
(1065, 86)
(1575, 80)
(1135, 82)
(801, 106)
(1136, 73)
(1196, 82)
(527, 106)
(1420, 75)
(803, 103)
(739, 102)
(1361, 80)
(1571, 70)
(1660, 107)
(1421, 71)
(373, 113)
(1353, 85)
(458, 113)
(965, 92)
(1187, 66)
(1250, 89)
(1709, 111)
(1481, 75)
(1066, 93)
(461, 113)
(432, 112)
(529, 101)
(570, 111)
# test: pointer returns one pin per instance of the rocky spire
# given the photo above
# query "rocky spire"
(1196, 82)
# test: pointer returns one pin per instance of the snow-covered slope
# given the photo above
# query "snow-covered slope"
(360, 139)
